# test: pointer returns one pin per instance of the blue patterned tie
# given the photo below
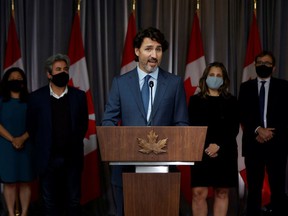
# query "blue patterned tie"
(145, 93)
(262, 101)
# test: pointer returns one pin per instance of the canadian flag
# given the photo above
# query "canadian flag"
(128, 62)
(13, 52)
(253, 49)
(79, 79)
(195, 66)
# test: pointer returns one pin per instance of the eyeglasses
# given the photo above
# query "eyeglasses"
(267, 64)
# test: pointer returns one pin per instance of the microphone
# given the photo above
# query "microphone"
(151, 85)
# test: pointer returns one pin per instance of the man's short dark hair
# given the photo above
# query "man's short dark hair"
(266, 53)
(152, 33)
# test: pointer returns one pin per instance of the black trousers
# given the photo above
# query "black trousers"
(61, 189)
(275, 165)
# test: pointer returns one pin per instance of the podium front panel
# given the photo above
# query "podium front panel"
(153, 194)
(121, 143)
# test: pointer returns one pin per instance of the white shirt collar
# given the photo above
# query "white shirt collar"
(267, 80)
(53, 94)
(142, 73)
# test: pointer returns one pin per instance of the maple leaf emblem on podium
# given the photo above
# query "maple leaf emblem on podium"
(152, 145)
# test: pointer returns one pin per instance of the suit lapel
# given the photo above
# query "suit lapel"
(133, 82)
(271, 88)
(160, 91)
(271, 94)
(46, 105)
(255, 87)
(73, 111)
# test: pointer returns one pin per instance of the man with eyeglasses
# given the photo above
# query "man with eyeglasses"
(264, 119)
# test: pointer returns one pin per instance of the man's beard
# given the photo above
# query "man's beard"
(151, 68)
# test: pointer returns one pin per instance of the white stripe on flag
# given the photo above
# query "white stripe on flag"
(78, 74)
(194, 70)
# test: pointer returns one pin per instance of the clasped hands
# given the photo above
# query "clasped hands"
(18, 142)
(264, 134)
(212, 150)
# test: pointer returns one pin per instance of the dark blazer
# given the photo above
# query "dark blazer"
(125, 101)
(277, 114)
(125, 104)
(39, 123)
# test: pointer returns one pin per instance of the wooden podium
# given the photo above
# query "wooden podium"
(152, 190)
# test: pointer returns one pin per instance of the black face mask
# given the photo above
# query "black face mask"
(15, 85)
(60, 79)
(264, 71)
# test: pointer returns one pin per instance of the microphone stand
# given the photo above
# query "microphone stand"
(151, 85)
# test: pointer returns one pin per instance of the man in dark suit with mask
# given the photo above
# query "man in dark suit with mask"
(57, 123)
(264, 119)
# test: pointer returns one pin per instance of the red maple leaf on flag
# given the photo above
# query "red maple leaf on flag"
(195, 63)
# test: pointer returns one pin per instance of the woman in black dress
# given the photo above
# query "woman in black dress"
(216, 108)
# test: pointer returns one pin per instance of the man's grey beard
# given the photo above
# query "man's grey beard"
(153, 69)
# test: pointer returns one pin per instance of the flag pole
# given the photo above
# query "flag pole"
(12, 7)
(134, 8)
(78, 6)
(255, 6)
(134, 5)
(198, 9)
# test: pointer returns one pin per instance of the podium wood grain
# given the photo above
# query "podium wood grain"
(153, 194)
(119, 143)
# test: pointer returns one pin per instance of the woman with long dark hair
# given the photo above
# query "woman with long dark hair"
(16, 171)
(215, 107)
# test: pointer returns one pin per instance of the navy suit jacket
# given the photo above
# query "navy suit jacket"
(277, 115)
(39, 124)
(125, 103)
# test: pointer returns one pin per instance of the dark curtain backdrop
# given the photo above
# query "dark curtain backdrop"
(44, 27)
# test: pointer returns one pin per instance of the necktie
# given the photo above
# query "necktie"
(262, 101)
(145, 93)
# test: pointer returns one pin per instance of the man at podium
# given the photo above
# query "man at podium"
(145, 96)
